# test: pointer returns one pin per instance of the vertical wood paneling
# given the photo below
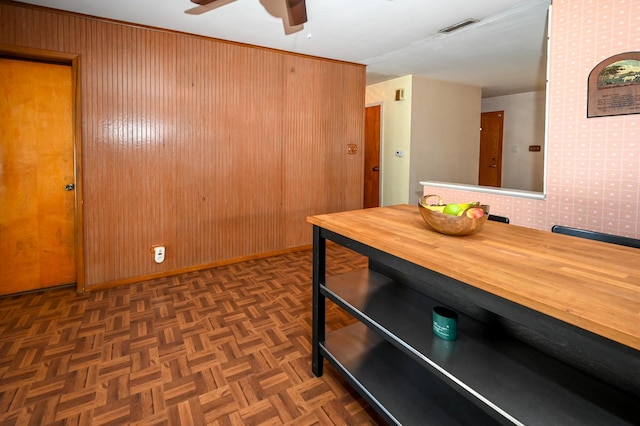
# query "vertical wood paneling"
(304, 156)
(217, 150)
(325, 113)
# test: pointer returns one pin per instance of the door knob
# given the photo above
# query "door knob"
(69, 187)
(493, 166)
(376, 169)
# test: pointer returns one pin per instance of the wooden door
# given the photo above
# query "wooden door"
(372, 157)
(37, 212)
(490, 168)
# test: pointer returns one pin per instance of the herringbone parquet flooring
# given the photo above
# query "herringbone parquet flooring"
(223, 346)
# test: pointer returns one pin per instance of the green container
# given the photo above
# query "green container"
(445, 323)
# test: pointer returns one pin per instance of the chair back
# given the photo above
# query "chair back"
(598, 236)
(495, 218)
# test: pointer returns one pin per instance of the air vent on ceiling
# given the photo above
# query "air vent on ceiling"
(458, 26)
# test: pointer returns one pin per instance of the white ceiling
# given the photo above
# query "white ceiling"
(503, 53)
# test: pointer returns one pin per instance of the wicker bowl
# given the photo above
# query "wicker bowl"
(448, 224)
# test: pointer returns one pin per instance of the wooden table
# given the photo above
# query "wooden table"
(549, 330)
(589, 284)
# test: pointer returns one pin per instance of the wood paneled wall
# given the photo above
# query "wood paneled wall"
(217, 150)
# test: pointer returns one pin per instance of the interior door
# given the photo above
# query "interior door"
(372, 157)
(37, 200)
(490, 168)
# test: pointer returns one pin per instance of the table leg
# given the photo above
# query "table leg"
(318, 319)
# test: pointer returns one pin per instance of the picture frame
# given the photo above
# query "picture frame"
(614, 86)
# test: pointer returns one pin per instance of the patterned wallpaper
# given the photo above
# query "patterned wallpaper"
(593, 164)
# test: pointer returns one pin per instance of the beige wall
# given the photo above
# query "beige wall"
(436, 126)
(395, 123)
(524, 125)
(445, 133)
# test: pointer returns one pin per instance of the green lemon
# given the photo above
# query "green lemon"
(453, 209)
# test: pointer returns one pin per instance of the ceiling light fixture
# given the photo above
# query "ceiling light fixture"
(458, 26)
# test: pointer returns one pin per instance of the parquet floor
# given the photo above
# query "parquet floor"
(223, 346)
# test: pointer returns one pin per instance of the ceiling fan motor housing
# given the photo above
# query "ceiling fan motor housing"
(297, 10)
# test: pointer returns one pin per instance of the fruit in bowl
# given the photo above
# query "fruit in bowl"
(453, 218)
(457, 209)
(474, 212)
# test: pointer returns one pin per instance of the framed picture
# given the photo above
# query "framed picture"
(614, 86)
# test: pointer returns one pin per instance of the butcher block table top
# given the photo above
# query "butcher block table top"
(589, 284)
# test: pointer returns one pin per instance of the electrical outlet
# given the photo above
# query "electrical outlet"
(158, 253)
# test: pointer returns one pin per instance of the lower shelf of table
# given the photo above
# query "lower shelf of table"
(402, 391)
(504, 377)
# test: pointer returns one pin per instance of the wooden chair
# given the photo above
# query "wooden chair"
(495, 218)
(598, 236)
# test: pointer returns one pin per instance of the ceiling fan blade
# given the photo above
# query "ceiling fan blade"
(297, 10)
(202, 2)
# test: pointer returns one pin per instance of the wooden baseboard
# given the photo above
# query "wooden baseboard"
(137, 279)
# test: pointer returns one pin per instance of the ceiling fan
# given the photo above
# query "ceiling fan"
(296, 9)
